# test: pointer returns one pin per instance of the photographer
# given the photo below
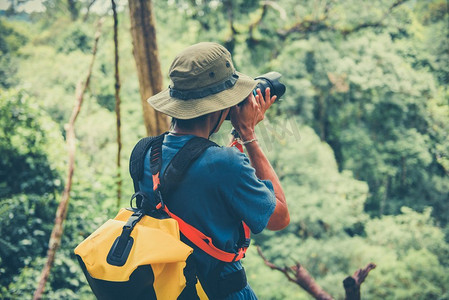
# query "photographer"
(222, 188)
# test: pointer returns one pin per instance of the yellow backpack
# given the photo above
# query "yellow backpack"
(139, 254)
(155, 259)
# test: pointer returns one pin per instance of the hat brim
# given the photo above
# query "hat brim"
(189, 109)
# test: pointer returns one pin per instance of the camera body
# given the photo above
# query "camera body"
(271, 80)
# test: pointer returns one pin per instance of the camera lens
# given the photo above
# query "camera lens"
(271, 80)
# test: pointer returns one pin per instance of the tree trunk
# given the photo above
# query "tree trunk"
(145, 52)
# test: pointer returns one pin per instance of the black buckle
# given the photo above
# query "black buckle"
(235, 256)
(122, 245)
(133, 219)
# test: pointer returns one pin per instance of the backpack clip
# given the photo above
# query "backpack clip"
(122, 245)
(142, 202)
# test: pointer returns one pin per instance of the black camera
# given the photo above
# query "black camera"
(271, 80)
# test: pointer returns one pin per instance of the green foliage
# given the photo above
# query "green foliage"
(77, 37)
(30, 185)
(26, 225)
(30, 179)
(320, 195)
(27, 165)
(10, 42)
(416, 267)
(368, 97)
(10, 39)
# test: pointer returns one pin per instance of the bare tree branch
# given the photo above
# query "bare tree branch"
(299, 275)
(352, 283)
(117, 105)
(88, 10)
(61, 213)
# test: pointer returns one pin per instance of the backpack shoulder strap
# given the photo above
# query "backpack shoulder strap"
(181, 162)
(137, 158)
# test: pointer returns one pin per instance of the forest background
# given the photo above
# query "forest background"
(359, 141)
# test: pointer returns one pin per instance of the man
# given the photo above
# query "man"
(222, 188)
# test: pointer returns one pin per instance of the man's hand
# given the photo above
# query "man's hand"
(264, 103)
(244, 118)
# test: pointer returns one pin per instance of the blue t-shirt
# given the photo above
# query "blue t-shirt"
(219, 190)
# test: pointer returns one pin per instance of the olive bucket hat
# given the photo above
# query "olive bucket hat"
(202, 80)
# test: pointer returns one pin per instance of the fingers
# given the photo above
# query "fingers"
(268, 97)
(260, 99)
(267, 101)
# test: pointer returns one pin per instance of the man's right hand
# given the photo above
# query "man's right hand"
(245, 117)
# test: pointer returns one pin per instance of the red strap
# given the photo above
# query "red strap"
(236, 144)
(247, 230)
(204, 242)
(156, 181)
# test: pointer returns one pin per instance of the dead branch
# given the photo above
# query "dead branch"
(352, 283)
(61, 213)
(88, 10)
(117, 105)
(299, 275)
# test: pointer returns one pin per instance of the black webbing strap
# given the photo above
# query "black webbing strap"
(189, 292)
(136, 160)
(181, 162)
(156, 154)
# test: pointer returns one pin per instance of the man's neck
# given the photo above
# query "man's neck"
(202, 131)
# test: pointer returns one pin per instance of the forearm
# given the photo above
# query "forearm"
(264, 171)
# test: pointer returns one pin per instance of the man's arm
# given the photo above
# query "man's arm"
(280, 217)
(244, 120)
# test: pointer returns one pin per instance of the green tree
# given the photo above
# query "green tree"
(30, 180)
(10, 42)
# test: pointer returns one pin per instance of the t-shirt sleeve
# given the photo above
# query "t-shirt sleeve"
(253, 200)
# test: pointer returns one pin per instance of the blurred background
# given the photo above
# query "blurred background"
(359, 140)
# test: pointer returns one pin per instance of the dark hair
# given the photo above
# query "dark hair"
(186, 124)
